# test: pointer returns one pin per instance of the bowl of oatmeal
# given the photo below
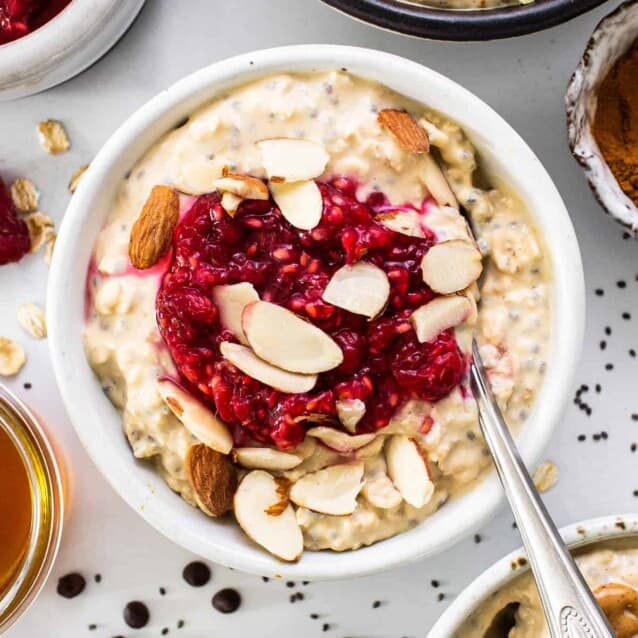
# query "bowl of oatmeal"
(504, 601)
(464, 19)
(274, 298)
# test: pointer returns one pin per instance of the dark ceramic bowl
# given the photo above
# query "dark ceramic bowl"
(450, 24)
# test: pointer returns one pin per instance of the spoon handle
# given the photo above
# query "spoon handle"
(568, 604)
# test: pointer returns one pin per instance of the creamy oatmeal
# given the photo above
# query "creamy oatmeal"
(610, 569)
(282, 300)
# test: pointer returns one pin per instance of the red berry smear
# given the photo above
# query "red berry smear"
(14, 235)
(20, 17)
(384, 365)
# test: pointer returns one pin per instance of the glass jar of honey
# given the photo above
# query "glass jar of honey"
(31, 507)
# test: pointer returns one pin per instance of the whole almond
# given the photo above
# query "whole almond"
(213, 477)
(152, 233)
(405, 128)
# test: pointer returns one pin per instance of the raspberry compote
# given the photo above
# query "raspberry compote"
(14, 235)
(383, 365)
(20, 17)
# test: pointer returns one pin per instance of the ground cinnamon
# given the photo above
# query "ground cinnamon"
(616, 122)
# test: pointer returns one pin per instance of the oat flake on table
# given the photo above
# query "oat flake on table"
(12, 357)
(40, 227)
(53, 137)
(545, 476)
(76, 177)
(24, 195)
(31, 318)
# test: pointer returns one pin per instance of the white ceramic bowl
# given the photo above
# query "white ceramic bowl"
(98, 423)
(501, 573)
(612, 39)
(63, 47)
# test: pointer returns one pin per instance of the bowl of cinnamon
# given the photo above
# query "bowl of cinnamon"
(602, 114)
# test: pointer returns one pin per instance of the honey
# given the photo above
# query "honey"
(16, 505)
(31, 507)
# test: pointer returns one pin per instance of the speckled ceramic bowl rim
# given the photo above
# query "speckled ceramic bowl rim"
(501, 573)
(445, 24)
(582, 143)
(97, 422)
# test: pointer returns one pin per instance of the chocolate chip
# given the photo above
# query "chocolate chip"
(376, 604)
(227, 601)
(599, 292)
(162, 591)
(180, 624)
(290, 584)
(441, 597)
(196, 574)
(97, 578)
(435, 583)
(71, 585)
(27, 386)
(581, 437)
(136, 614)
(621, 284)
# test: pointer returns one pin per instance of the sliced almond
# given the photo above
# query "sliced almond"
(350, 412)
(213, 477)
(249, 363)
(283, 339)
(265, 458)
(299, 202)
(306, 448)
(436, 182)
(243, 186)
(292, 160)
(438, 315)
(195, 417)
(381, 493)
(152, 233)
(406, 129)
(408, 470)
(340, 441)
(279, 534)
(362, 289)
(402, 221)
(451, 266)
(231, 301)
(371, 449)
(230, 203)
(333, 490)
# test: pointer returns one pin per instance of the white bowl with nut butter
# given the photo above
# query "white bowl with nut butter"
(271, 316)
(504, 598)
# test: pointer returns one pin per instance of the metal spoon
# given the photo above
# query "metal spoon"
(569, 606)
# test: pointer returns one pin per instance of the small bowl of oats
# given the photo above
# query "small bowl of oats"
(504, 598)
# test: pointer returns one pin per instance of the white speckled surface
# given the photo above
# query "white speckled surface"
(524, 79)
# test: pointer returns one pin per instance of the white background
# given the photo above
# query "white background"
(524, 79)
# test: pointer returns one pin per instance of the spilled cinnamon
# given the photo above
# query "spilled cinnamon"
(616, 122)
